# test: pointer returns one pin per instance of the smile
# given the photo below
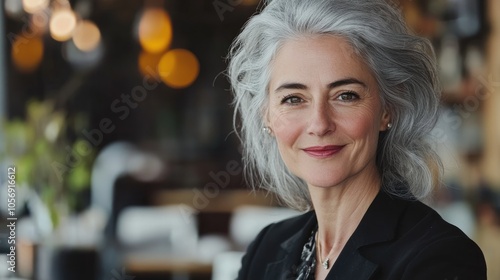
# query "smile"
(322, 151)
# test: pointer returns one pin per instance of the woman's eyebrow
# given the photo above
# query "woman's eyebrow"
(347, 81)
(290, 86)
(342, 82)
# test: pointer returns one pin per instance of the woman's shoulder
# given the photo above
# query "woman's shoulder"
(420, 225)
(438, 248)
(425, 245)
(419, 218)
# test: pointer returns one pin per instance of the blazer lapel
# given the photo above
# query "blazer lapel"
(289, 252)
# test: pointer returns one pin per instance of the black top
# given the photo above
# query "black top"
(396, 239)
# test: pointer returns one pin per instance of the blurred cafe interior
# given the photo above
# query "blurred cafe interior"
(116, 121)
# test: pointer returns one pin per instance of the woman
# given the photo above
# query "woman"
(336, 100)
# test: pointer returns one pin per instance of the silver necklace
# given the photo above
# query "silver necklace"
(325, 263)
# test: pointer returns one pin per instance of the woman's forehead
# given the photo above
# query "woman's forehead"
(325, 58)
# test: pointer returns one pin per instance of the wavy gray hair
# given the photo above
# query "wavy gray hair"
(404, 67)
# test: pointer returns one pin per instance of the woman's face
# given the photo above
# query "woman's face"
(325, 111)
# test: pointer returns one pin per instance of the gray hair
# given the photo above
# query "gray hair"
(403, 65)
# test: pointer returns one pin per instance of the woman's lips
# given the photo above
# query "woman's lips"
(322, 151)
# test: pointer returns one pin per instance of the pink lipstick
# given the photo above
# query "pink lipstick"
(323, 151)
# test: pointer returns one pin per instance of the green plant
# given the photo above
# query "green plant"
(41, 147)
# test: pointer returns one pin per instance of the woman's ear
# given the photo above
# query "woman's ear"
(385, 120)
(266, 121)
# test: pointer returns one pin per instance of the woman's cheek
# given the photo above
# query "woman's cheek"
(359, 124)
(287, 126)
(281, 118)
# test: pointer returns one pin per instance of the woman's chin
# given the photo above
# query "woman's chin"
(324, 183)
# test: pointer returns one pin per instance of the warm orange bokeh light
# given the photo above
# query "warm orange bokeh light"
(178, 68)
(62, 24)
(155, 30)
(148, 63)
(27, 53)
(86, 36)
(33, 6)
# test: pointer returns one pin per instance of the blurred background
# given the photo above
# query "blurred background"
(116, 130)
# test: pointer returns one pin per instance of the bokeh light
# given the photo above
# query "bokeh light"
(34, 6)
(148, 63)
(178, 68)
(13, 8)
(27, 53)
(80, 59)
(86, 36)
(39, 23)
(62, 24)
(155, 30)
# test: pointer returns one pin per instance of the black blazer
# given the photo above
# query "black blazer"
(396, 239)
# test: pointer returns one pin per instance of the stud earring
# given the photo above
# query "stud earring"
(267, 130)
(389, 125)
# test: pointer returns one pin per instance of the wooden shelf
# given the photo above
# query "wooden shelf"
(165, 265)
(224, 201)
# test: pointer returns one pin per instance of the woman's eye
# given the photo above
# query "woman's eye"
(293, 100)
(348, 96)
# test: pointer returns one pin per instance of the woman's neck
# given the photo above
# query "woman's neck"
(339, 210)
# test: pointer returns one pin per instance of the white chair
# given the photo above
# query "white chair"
(173, 225)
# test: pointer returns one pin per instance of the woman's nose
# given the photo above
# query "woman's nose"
(321, 120)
